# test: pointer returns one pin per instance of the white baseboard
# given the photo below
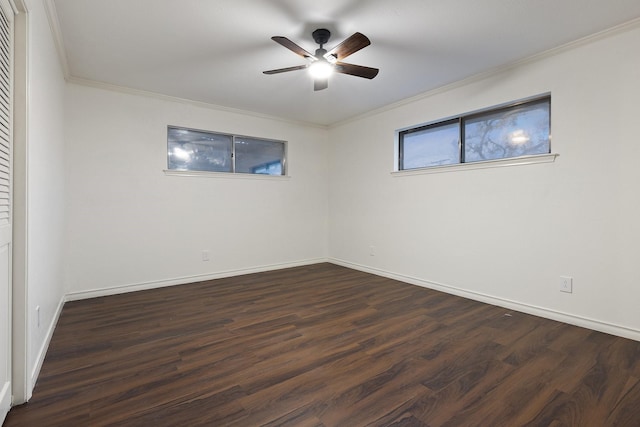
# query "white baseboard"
(35, 372)
(74, 296)
(5, 401)
(571, 319)
(5, 397)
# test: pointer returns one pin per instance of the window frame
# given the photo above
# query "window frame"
(460, 120)
(421, 128)
(233, 172)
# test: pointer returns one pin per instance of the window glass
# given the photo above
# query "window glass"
(199, 151)
(522, 129)
(195, 150)
(517, 131)
(432, 146)
(273, 168)
(259, 156)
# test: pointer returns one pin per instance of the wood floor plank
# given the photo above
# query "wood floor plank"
(324, 346)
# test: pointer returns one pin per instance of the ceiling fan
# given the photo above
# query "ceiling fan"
(323, 62)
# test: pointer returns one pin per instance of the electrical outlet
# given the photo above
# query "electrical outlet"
(205, 255)
(566, 284)
(372, 250)
(38, 316)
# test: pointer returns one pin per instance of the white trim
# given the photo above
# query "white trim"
(45, 345)
(121, 289)
(5, 401)
(22, 388)
(488, 299)
(232, 175)
(593, 324)
(8, 10)
(489, 164)
(138, 92)
(622, 28)
(18, 6)
(56, 34)
(59, 42)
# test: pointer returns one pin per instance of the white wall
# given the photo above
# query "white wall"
(130, 225)
(507, 234)
(103, 217)
(45, 186)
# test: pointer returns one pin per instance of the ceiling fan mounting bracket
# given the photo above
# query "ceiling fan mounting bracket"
(321, 36)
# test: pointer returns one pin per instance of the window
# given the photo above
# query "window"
(197, 150)
(431, 146)
(520, 129)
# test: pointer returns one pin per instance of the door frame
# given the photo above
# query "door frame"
(20, 378)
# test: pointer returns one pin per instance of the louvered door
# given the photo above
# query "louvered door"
(6, 136)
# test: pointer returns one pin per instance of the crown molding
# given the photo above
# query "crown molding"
(60, 48)
(54, 24)
(56, 32)
(148, 94)
(618, 29)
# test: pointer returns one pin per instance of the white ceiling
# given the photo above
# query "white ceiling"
(214, 51)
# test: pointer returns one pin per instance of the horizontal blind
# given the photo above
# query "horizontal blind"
(6, 34)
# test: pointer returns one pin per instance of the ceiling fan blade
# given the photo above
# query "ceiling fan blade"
(319, 84)
(349, 46)
(284, 70)
(293, 47)
(356, 70)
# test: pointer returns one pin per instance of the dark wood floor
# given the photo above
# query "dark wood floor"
(325, 346)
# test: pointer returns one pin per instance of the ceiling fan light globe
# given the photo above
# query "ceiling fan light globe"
(320, 69)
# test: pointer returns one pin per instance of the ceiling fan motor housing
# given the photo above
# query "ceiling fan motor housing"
(321, 36)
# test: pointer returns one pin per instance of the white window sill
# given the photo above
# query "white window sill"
(489, 164)
(226, 175)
